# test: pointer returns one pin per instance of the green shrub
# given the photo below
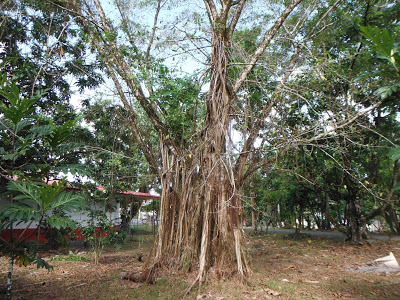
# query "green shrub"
(70, 257)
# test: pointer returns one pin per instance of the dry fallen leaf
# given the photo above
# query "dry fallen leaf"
(289, 267)
(310, 281)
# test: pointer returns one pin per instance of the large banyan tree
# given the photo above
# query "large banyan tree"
(247, 48)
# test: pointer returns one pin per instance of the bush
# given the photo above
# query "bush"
(70, 257)
(115, 236)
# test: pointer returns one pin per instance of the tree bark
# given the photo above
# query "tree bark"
(10, 277)
(254, 214)
(202, 188)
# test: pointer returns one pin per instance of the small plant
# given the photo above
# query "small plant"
(70, 257)
(96, 231)
(118, 247)
(115, 236)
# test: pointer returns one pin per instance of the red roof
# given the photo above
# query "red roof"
(139, 195)
(133, 193)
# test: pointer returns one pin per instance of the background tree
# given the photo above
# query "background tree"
(30, 152)
(113, 157)
(42, 50)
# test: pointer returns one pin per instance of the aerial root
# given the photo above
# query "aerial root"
(187, 291)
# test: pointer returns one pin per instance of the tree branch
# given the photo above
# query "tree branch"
(267, 40)
(211, 11)
(249, 143)
(147, 56)
(236, 16)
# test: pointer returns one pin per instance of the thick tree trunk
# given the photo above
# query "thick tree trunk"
(201, 188)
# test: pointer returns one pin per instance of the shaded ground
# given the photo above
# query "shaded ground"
(282, 269)
(332, 235)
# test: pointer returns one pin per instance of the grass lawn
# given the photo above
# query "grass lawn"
(282, 269)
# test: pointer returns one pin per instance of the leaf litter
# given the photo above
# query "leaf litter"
(322, 269)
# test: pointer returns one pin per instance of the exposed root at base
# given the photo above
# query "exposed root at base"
(147, 276)
(244, 280)
(187, 291)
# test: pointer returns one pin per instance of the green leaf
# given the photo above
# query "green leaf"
(60, 222)
(42, 131)
(23, 260)
(41, 263)
(60, 134)
(9, 91)
(382, 43)
(23, 124)
(29, 191)
(75, 169)
(394, 154)
(386, 91)
(68, 201)
(16, 212)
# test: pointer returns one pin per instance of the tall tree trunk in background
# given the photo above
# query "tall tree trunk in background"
(254, 213)
(301, 215)
(278, 211)
(355, 214)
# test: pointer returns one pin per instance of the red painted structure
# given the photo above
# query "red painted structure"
(32, 234)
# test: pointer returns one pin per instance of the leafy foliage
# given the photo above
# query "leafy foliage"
(70, 257)
(179, 99)
(31, 152)
(57, 50)
(97, 231)
(384, 45)
(31, 143)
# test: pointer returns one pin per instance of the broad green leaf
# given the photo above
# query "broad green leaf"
(394, 154)
(386, 91)
(23, 260)
(67, 201)
(41, 263)
(23, 124)
(19, 212)
(382, 43)
(60, 222)
(42, 131)
(29, 191)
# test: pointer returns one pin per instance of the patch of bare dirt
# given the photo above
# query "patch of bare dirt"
(282, 269)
